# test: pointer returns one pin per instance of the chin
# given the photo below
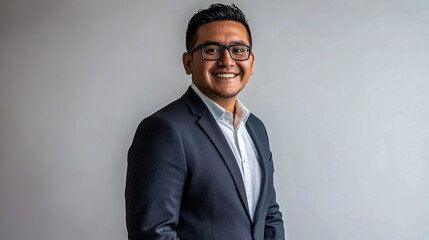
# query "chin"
(227, 94)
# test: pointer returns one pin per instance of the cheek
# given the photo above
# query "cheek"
(199, 70)
(205, 68)
(246, 68)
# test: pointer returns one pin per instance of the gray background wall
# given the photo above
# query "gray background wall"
(342, 86)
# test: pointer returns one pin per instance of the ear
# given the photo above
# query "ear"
(187, 62)
(252, 60)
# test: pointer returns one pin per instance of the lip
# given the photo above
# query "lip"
(214, 73)
(225, 76)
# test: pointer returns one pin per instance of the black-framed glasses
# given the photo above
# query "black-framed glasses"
(214, 51)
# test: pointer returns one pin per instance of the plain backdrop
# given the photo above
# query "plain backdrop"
(342, 86)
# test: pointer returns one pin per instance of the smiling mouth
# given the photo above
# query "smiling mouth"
(225, 75)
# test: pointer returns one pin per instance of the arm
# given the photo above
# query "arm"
(156, 175)
(274, 229)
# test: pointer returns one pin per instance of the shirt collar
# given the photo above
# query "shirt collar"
(219, 113)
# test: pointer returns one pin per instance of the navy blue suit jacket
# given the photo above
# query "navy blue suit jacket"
(183, 181)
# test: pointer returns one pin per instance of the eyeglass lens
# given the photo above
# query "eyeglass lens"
(214, 52)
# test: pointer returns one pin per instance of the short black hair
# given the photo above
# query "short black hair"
(215, 12)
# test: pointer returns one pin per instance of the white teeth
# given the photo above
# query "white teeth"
(225, 75)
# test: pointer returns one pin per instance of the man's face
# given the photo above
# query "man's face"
(214, 78)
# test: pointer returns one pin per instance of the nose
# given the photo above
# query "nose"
(226, 59)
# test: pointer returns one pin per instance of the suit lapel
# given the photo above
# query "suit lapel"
(212, 130)
(258, 136)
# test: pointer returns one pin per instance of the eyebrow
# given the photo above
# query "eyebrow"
(231, 43)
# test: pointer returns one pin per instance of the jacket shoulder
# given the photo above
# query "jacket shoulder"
(173, 115)
(255, 120)
(175, 109)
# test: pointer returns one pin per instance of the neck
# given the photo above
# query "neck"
(227, 104)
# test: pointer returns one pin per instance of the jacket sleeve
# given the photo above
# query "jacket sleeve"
(274, 229)
(156, 174)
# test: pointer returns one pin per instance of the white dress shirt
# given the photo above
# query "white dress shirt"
(241, 145)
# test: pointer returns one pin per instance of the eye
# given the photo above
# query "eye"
(239, 49)
(211, 49)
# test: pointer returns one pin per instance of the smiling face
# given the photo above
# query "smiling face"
(220, 80)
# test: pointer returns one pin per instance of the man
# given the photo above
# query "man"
(201, 167)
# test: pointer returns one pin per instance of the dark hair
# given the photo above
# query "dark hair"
(215, 12)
